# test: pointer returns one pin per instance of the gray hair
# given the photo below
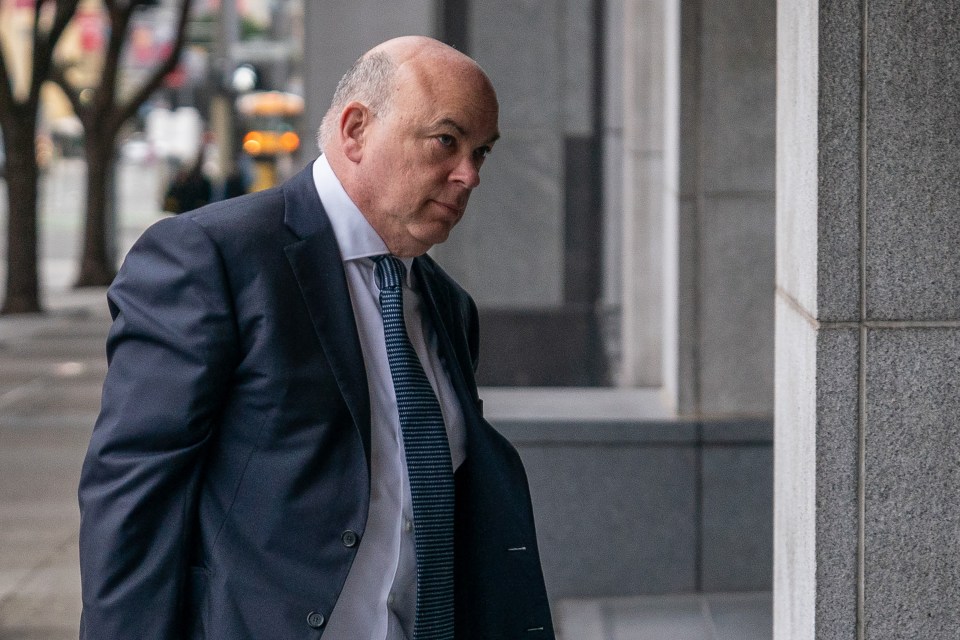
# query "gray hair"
(369, 81)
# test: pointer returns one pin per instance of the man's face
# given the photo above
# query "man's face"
(422, 157)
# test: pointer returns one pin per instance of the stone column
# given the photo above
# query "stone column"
(725, 232)
(867, 443)
(647, 237)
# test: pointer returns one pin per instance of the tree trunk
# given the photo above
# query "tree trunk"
(97, 268)
(22, 173)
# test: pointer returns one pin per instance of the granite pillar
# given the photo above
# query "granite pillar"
(868, 321)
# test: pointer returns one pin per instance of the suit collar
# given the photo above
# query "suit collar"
(301, 204)
(318, 269)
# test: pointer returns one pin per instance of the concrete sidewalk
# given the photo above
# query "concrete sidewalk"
(51, 369)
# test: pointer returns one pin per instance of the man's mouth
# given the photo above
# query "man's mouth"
(453, 209)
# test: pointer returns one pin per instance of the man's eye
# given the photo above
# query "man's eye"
(445, 139)
(483, 152)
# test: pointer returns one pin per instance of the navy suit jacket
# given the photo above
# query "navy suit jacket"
(232, 449)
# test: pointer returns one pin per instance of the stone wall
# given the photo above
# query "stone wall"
(868, 321)
(629, 508)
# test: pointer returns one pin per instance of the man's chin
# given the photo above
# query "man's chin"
(436, 234)
(414, 246)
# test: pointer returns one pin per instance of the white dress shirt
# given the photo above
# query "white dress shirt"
(378, 600)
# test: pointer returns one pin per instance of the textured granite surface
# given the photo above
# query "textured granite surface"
(690, 97)
(508, 250)
(912, 521)
(913, 171)
(836, 484)
(646, 190)
(838, 162)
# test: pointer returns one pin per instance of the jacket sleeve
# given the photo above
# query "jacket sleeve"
(171, 352)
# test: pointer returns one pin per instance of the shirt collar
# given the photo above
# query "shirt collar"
(355, 237)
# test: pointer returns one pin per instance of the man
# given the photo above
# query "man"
(290, 443)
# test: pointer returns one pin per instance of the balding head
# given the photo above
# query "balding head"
(372, 78)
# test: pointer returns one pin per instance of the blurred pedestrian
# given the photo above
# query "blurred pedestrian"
(189, 189)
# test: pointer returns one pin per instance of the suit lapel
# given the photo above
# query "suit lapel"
(453, 350)
(318, 268)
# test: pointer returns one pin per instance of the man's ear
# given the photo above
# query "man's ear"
(354, 120)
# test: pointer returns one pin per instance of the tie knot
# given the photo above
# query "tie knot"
(389, 272)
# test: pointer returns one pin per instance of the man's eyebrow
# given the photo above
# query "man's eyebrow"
(450, 122)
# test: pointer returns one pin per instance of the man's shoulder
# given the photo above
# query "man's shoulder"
(251, 213)
(291, 207)
(238, 229)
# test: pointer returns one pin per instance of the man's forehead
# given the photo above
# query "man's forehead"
(456, 99)
(442, 74)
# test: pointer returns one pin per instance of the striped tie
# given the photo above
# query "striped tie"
(428, 462)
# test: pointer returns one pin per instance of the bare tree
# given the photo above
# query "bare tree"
(18, 120)
(102, 117)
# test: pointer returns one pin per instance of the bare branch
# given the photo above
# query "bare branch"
(168, 65)
(58, 76)
(65, 11)
(106, 91)
(45, 43)
(40, 53)
(37, 11)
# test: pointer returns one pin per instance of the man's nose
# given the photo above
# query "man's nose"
(467, 172)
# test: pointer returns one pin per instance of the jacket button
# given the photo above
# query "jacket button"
(315, 620)
(349, 539)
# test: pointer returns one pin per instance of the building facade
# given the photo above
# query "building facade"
(686, 193)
